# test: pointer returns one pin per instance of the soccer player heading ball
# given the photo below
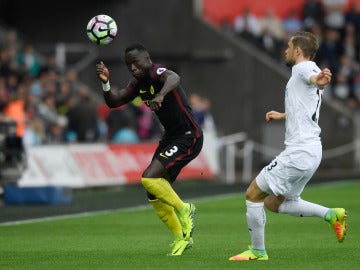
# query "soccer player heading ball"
(280, 184)
(160, 89)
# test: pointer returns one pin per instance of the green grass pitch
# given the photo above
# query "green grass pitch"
(136, 239)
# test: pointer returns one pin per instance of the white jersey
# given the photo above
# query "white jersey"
(302, 106)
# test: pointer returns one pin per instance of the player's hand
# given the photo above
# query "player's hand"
(274, 115)
(323, 78)
(102, 72)
(156, 102)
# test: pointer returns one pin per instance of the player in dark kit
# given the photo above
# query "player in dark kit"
(160, 89)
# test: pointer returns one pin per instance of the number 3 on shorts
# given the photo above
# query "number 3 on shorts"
(272, 165)
(169, 152)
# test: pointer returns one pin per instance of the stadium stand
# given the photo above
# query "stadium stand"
(209, 49)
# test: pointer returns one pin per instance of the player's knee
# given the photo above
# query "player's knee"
(252, 195)
(270, 205)
(146, 182)
(154, 170)
(253, 192)
(248, 195)
(273, 203)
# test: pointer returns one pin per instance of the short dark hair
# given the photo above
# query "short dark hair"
(307, 42)
(136, 46)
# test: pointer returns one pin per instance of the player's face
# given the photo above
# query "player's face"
(137, 63)
(290, 54)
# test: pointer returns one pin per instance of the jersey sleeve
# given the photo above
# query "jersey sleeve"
(157, 72)
(307, 71)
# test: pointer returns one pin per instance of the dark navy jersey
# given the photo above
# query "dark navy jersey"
(175, 113)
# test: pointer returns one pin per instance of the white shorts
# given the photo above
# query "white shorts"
(290, 171)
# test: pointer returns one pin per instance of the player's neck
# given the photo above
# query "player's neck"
(301, 59)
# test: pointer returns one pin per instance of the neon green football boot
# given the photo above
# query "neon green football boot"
(337, 220)
(186, 218)
(180, 245)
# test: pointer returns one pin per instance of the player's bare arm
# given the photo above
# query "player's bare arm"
(171, 81)
(322, 79)
(112, 99)
(274, 115)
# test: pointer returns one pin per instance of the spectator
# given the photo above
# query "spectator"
(12, 82)
(34, 133)
(62, 96)
(122, 118)
(330, 50)
(334, 16)
(312, 13)
(247, 25)
(291, 24)
(356, 89)
(82, 117)
(272, 32)
(344, 80)
(353, 16)
(15, 110)
(201, 110)
(4, 93)
(37, 87)
(351, 43)
(51, 63)
(54, 124)
(28, 61)
(102, 112)
(72, 76)
(5, 62)
(13, 45)
(126, 135)
(341, 89)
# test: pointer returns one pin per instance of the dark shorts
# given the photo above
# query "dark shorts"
(176, 152)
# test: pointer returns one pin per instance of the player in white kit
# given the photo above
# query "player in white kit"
(279, 185)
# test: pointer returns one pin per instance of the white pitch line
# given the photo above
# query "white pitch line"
(143, 207)
(102, 212)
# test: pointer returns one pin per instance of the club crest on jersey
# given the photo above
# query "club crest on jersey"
(152, 90)
(160, 71)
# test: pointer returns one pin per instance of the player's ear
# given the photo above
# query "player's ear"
(147, 57)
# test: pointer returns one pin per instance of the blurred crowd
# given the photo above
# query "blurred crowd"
(51, 105)
(337, 25)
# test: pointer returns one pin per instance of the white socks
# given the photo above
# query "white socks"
(256, 219)
(302, 208)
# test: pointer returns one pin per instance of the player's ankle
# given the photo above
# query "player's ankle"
(329, 216)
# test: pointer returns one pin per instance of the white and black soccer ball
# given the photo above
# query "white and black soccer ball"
(101, 29)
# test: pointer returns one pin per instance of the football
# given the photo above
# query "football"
(101, 29)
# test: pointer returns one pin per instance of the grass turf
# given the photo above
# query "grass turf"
(136, 239)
